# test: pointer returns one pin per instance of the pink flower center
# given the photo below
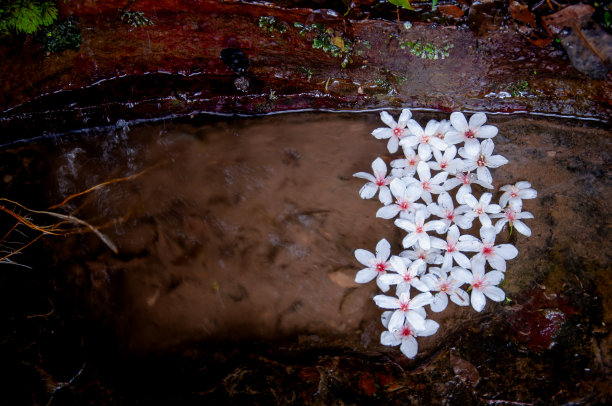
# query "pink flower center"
(444, 287)
(381, 267)
(451, 247)
(412, 161)
(450, 215)
(425, 139)
(380, 181)
(403, 204)
(465, 178)
(407, 277)
(404, 307)
(406, 332)
(482, 161)
(443, 164)
(510, 215)
(397, 132)
(487, 250)
(426, 185)
(478, 210)
(470, 134)
(514, 194)
(478, 284)
(422, 256)
(419, 229)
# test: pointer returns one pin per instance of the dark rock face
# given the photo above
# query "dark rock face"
(235, 59)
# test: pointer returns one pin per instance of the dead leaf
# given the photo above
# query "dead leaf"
(465, 370)
(339, 42)
(587, 45)
(344, 278)
(521, 12)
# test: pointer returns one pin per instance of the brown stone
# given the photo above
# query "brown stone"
(451, 11)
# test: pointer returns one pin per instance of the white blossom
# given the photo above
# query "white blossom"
(445, 209)
(417, 229)
(405, 197)
(465, 179)
(513, 216)
(482, 284)
(424, 139)
(447, 287)
(515, 193)
(495, 255)
(428, 184)
(405, 276)
(479, 157)
(407, 166)
(377, 265)
(450, 245)
(377, 182)
(447, 162)
(464, 132)
(395, 132)
(404, 308)
(405, 337)
(480, 208)
(430, 256)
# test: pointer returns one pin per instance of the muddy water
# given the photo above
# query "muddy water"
(245, 229)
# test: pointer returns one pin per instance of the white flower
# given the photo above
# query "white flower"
(451, 248)
(442, 128)
(376, 265)
(465, 180)
(496, 255)
(395, 132)
(405, 196)
(405, 308)
(513, 215)
(405, 277)
(417, 229)
(480, 158)
(515, 193)
(407, 166)
(482, 284)
(425, 139)
(462, 131)
(430, 256)
(447, 162)
(377, 183)
(446, 286)
(446, 211)
(480, 208)
(405, 337)
(428, 184)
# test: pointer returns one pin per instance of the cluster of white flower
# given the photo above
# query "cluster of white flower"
(438, 268)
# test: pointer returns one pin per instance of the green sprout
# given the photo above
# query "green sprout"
(518, 88)
(26, 16)
(271, 24)
(324, 38)
(135, 18)
(427, 49)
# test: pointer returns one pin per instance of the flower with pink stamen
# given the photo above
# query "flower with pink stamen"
(447, 287)
(468, 133)
(405, 337)
(405, 197)
(482, 284)
(377, 265)
(377, 183)
(395, 132)
(404, 308)
(514, 194)
(495, 255)
(417, 229)
(405, 276)
(424, 139)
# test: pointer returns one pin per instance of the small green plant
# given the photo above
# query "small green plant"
(271, 24)
(305, 71)
(518, 88)
(329, 41)
(26, 16)
(388, 80)
(135, 18)
(402, 3)
(60, 36)
(427, 49)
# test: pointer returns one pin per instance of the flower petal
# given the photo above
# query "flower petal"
(494, 293)
(460, 297)
(496, 161)
(484, 174)
(410, 240)
(365, 175)
(506, 251)
(368, 190)
(478, 300)
(415, 319)
(409, 347)
(387, 119)
(393, 145)
(431, 327)
(458, 121)
(383, 250)
(384, 195)
(382, 133)
(522, 228)
(494, 277)
(366, 275)
(404, 117)
(365, 257)
(477, 120)
(388, 212)
(439, 303)
(487, 131)
(390, 339)
(386, 302)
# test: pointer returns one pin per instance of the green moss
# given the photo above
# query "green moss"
(305, 71)
(427, 49)
(60, 36)
(518, 88)
(271, 24)
(26, 16)
(336, 44)
(135, 18)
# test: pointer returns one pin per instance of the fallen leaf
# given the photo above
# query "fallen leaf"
(465, 370)
(344, 278)
(521, 13)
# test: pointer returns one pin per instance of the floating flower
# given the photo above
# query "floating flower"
(428, 184)
(405, 197)
(407, 166)
(514, 194)
(395, 132)
(468, 133)
(377, 265)
(443, 126)
(405, 276)
(424, 139)
(447, 213)
(465, 179)
(446, 286)
(377, 183)
(417, 229)
(430, 256)
(479, 157)
(405, 308)
(496, 255)
(450, 245)
(482, 284)
(405, 337)
(447, 162)
(480, 208)
(513, 215)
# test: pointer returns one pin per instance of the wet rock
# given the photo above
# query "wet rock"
(485, 16)
(465, 370)
(587, 45)
(235, 59)
(521, 13)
